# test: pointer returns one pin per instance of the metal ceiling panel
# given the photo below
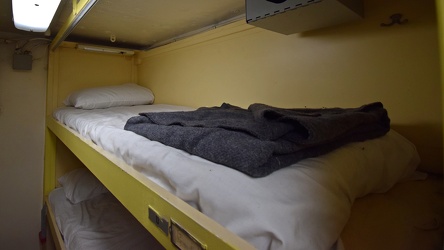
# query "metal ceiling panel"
(141, 24)
(137, 24)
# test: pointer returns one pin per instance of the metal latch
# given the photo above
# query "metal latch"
(157, 220)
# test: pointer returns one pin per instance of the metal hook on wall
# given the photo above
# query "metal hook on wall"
(395, 19)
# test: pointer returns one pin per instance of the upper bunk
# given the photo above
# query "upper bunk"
(360, 57)
(173, 185)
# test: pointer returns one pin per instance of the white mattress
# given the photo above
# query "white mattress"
(304, 206)
(98, 223)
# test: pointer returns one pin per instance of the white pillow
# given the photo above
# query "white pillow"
(109, 96)
(80, 184)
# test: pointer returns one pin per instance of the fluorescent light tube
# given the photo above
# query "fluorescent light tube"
(34, 15)
(108, 50)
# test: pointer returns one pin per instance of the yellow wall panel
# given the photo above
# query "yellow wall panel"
(440, 12)
(81, 69)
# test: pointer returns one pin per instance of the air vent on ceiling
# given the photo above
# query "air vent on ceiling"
(294, 16)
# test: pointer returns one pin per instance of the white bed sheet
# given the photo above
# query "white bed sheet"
(304, 206)
(99, 223)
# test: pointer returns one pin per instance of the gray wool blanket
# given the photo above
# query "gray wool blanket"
(261, 139)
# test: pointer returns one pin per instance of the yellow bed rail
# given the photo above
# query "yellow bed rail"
(170, 220)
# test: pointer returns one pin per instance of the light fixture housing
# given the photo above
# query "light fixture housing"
(108, 50)
(34, 15)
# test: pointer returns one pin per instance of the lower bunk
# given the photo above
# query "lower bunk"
(87, 216)
(187, 202)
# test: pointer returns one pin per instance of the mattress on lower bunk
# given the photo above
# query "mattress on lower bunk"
(303, 206)
(98, 223)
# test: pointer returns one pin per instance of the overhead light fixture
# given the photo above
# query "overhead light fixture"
(108, 50)
(34, 15)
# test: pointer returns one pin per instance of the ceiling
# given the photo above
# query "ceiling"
(136, 24)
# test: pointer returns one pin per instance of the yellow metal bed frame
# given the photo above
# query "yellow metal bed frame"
(138, 195)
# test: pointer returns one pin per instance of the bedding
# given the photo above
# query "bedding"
(127, 94)
(98, 223)
(80, 185)
(303, 206)
(261, 139)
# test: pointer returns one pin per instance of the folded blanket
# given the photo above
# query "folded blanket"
(261, 139)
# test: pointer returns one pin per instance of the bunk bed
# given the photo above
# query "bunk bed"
(187, 202)
(90, 217)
